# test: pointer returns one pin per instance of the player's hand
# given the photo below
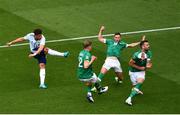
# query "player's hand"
(143, 38)
(142, 68)
(102, 28)
(9, 44)
(32, 55)
(148, 65)
(93, 58)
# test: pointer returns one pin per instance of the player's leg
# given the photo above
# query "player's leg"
(42, 75)
(119, 77)
(100, 77)
(102, 73)
(137, 79)
(136, 88)
(89, 94)
(105, 68)
(97, 84)
(118, 71)
(140, 77)
(56, 53)
(42, 64)
(134, 82)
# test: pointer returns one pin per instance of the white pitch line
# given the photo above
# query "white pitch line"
(106, 35)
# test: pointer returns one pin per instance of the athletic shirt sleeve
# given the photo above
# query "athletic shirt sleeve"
(149, 55)
(124, 44)
(87, 57)
(27, 37)
(135, 56)
(107, 41)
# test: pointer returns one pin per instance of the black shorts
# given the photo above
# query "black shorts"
(41, 57)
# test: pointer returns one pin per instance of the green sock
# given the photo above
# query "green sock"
(101, 75)
(89, 88)
(133, 92)
(98, 86)
(138, 86)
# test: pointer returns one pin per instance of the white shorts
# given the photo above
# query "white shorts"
(112, 63)
(135, 75)
(93, 79)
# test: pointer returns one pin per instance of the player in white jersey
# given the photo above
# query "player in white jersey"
(39, 51)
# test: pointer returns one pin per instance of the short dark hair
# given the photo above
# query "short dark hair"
(37, 31)
(87, 43)
(117, 33)
(142, 43)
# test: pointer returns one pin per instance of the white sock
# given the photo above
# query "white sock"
(55, 53)
(42, 74)
(89, 94)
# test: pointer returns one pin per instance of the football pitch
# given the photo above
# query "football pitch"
(64, 19)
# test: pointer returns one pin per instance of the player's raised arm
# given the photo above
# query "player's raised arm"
(100, 36)
(15, 41)
(136, 43)
(87, 63)
(132, 64)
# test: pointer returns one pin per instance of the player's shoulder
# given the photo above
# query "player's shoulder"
(84, 53)
(43, 37)
(109, 39)
(149, 53)
(30, 34)
(136, 53)
(122, 42)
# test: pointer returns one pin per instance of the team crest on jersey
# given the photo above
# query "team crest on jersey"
(142, 56)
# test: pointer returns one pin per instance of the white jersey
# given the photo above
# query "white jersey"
(34, 44)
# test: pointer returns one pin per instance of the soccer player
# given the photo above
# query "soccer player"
(140, 62)
(85, 72)
(114, 49)
(39, 51)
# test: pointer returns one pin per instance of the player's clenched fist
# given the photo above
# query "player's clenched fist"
(93, 58)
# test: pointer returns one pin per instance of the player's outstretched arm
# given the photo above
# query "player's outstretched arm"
(15, 41)
(132, 64)
(87, 63)
(136, 43)
(100, 36)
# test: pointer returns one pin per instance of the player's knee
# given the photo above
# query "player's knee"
(46, 50)
(141, 80)
(104, 70)
(42, 65)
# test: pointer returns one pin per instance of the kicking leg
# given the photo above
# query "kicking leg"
(96, 80)
(100, 77)
(102, 73)
(56, 53)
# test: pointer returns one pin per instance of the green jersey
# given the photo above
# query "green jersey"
(140, 59)
(114, 48)
(84, 73)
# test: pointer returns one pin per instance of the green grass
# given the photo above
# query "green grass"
(63, 19)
